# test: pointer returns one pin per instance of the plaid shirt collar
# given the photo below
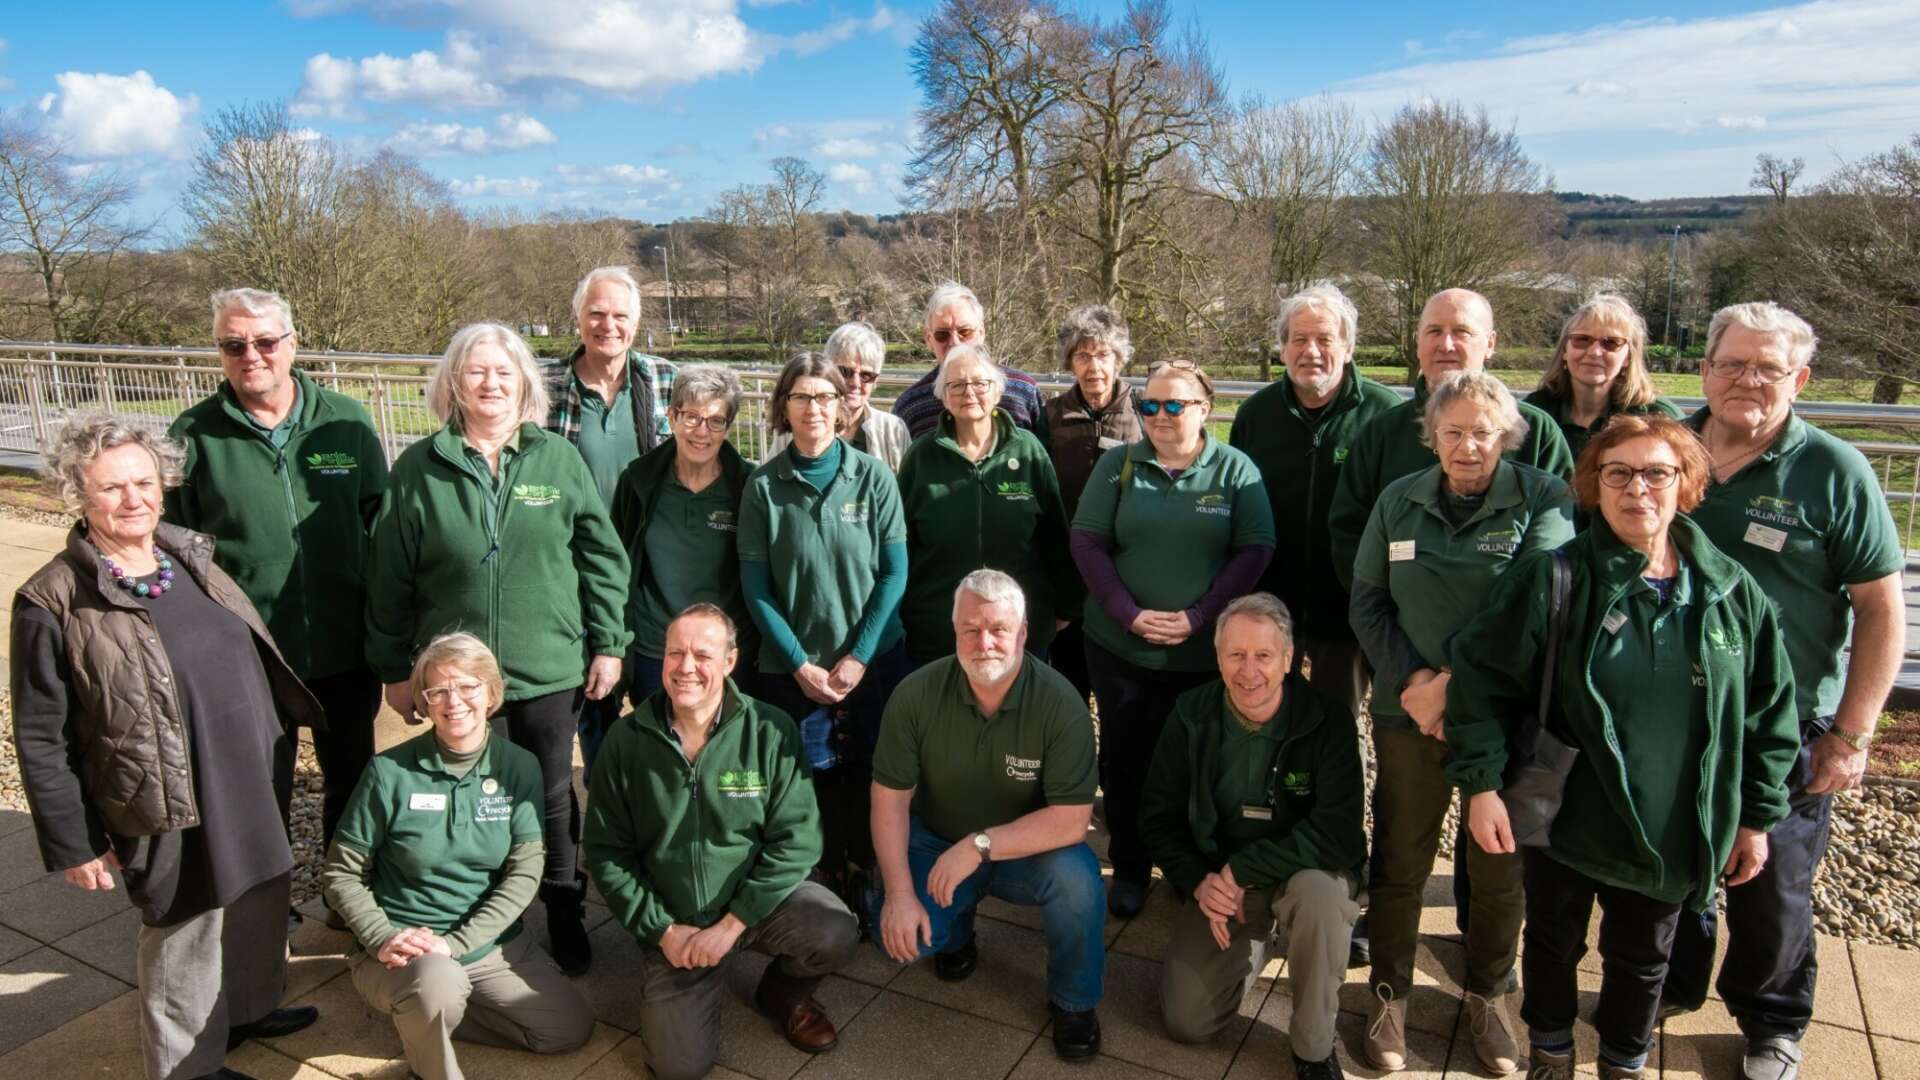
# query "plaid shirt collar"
(650, 384)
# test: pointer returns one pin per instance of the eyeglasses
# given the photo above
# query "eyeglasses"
(691, 422)
(825, 400)
(1657, 477)
(1174, 406)
(1091, 355)
(958, 333)
(1582, 342)
(969, 387)
(237, 347)
(468, 689)
(852, 375)
(1736, 370)
(1454, 436)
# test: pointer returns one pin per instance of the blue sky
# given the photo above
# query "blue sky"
(648, 108)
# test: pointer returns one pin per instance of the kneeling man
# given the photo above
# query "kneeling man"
(700, 834)
(983, 786)
(1253, 809)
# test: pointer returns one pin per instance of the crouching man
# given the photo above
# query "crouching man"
(1253, 809)
(700, 834)
(983, 786)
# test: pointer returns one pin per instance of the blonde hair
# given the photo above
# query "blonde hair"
(464, 653)
(1633, 388)
(443, 389)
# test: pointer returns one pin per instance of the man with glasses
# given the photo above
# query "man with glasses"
(286, 477)
(1803, 512)
(954, 316)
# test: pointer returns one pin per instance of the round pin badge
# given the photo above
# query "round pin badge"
(490, 785)
(1014, 464)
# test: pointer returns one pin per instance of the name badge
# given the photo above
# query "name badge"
(1400, 551)
(1771, 539)
(421, 800)
(1614, 621)
(1257, 813)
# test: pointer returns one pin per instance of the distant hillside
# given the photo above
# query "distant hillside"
(1616, 217)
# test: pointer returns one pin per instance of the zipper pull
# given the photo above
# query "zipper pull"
(491, 552)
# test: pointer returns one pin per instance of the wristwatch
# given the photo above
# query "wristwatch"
(1856, 739)
(983, 844)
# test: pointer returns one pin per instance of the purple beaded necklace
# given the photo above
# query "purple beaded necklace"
(163, 584)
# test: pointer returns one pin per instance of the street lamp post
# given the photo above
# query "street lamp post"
(667, 268)
(1673, 267)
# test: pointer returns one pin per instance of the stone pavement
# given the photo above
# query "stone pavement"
(67, 1006)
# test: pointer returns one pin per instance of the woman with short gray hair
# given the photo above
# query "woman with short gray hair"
(860, 353)
(496, 526)
(677, 511)
(1433, 546)
(154, 720)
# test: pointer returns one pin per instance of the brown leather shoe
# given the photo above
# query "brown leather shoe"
(802, 1019)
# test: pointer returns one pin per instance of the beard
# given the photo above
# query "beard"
(989, 669)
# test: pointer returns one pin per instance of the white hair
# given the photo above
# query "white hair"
(1320, 296)
(604, 273)
(993, 587)
(698, 384)
(256, 303)
(948, 293)
(856, 342)
(1259, 605)
(1484, 390)
(969, 351)
(1765, 317)
(443, 388)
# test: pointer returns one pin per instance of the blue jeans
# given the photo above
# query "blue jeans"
(1064, 884)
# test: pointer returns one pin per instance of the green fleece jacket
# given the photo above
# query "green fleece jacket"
(1300, 457)
(1753, 735)
(736, 831)
(632, 513)
(529, 562)
(1004, 512)
(289, 524)
(1314, 794)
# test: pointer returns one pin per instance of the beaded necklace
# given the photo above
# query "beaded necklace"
(163, 584)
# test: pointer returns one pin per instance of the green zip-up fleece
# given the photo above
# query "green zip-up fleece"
(1306, 809)
(1300, 457)
(1388, 447)
(634, 501)
(1003, 511)
(289, 524)
(1741, 665)
(668, 842)
(1561, 409)
(529, 563)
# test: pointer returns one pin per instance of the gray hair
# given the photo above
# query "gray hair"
(948, 293)
(464, 653)
(1765, 317)
(994, 587)
(705, 610)
(443, 388)
(257, 303)
(698, 384)
(1322, 296)
(969, 351)
(78, 444)
(1099, 324)
(856, 342)
(597, 275)
(1483, 390)
(1259, 605)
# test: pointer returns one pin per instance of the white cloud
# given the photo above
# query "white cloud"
(102, 115)
(838, 31)
(624, 176)
(5, 83)
(332, 84)
(1597, 88)
(847, 148)
(488, 187)
(854, 176)
(509, 131)
(1742, 123)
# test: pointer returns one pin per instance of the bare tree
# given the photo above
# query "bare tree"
(1451, 201)
(74, 235)
(1776, 176)
(769, 236)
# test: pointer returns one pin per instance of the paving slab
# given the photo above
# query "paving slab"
(13, 821)
(1427, 1053)
(753, 1043)
(103, 1043)
(896, 1035)
(1888, 979)
(1146, 934)
(349, 1039)
(109, 945)
(1041, 1063)
(1009, 986)
(19, 853)
(1434, 1003)
(629, 1059)
(257, 1060)
(1132, 1028)
(14, 945)
(48, 909)
(1895, 1059)
(46, 989)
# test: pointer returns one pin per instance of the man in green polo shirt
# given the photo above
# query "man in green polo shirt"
(287, 476)
(1299, 430)
(1802, 511)
(983, 786)
(1456, 334)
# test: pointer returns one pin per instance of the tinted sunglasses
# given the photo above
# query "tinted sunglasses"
(867, 377)
(1174, 406)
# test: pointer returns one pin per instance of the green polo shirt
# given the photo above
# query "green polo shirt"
(823, 549)
(1171, 537)
(607, 439)
(970, 772)
(280, 433)
(1439, 574)
(1645, 652)
(690, 557)
(436, 841)
(1246, 776)
(1806, 518)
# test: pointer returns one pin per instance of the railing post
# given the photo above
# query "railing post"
(37, 400)
(382, 420)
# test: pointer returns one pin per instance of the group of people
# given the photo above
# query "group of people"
(924, 600)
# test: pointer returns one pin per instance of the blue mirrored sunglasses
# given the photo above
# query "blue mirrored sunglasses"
(1174, 406)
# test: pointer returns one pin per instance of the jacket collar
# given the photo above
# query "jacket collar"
(1791, 438)
(307, 405)
(1002, 434)
(448, 443)
(193, 551)
(1077, 402)
(1345, 396)
(1617, 566)
(433, 756)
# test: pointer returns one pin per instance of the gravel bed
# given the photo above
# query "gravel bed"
(38, 517)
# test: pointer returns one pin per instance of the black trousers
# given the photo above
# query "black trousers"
(1134, 703)
(1768, 978)
(1636, 932)
(350, 701)
(1068, 656)
(545, 726)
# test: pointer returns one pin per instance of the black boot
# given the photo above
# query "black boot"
(566, 926)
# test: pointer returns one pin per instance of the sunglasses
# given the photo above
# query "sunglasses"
(1583, 342)
(1174, 406)
(854, 374)
(958, 333)
(237, 347)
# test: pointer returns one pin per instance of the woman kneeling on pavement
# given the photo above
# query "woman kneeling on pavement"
(1674, 687)
(438, 853)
